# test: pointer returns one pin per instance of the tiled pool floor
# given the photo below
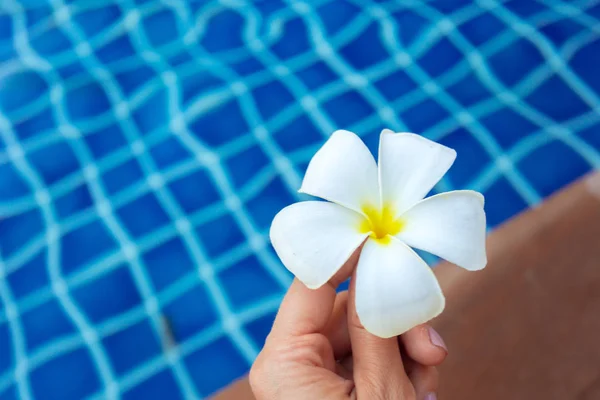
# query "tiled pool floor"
(146, 146)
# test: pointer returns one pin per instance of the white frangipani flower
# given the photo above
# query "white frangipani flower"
(382, 206)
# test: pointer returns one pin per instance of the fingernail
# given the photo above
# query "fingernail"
(436, 340)
(430, 396)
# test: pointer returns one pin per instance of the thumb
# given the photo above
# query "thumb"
(378, 368)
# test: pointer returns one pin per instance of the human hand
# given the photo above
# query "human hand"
(318, 349)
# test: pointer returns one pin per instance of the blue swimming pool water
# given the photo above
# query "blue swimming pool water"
(146, 146)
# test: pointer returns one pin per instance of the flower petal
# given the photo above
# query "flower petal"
(314, 239)
(450, 225)
(395, 289)
(343, 171)
(409, 166)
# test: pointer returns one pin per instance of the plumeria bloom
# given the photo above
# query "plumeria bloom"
(382, 206)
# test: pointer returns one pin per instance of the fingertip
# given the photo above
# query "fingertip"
(303, 310)
(424, 345)
(425, 380)
(337, 327)
(378, 366)
(346, 270)
(436, 339)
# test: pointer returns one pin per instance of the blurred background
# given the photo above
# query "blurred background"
(145, 147)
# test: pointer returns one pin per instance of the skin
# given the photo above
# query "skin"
(318, 349)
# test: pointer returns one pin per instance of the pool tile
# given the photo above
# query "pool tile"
(219, 125)
(509, 72)
(159, 386)
(215, 365)
(44, 161)
(161, 28)
(18, 230)
(45, 323)
(223, 31)
(190, 313)
(7, 361)
(298, 134)
(143, 215)
(348, 108)
(294, 40)
(12, 185)
(220, 235)
(471, 157)
(153, 114)
(194, 191)
(87, 101)
(247, 282)
(366, 50)
(170, 152)
(74, 202)
(271, 199)
(21, 88)
(243, 166)
(94, 302)
(168, 262)
(260, 328)
(508, 126)
(557, 100)
(31, 276)
(132, 346)
(122, 176)
(546, 175)
(84, 245)
(272, 98)
(40, 123)
(54, 379)
(502, 201)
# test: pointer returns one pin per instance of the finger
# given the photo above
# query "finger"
(424, 345)
(425, 381)
(378, 368)
(336, 329)
(345, 367)
(304, 311)
(348, 363)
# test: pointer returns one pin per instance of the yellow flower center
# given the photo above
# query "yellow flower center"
(380, 223)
